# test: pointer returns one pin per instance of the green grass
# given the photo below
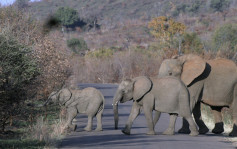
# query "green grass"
(21, 144)
(21, 133)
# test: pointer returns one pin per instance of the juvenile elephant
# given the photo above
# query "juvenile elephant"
(166, 94)
(89, 101)
(213, 82)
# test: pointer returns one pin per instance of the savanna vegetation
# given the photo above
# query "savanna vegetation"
(47, 44)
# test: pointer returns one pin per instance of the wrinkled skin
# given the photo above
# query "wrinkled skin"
(212, 82)
(166, 94)
(89, 101)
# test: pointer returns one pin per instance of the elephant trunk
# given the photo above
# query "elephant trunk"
(117, 98)
(48, 100)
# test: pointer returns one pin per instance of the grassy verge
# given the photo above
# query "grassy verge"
(34, 128)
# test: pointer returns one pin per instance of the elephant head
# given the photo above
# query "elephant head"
(130, 89)
(186, 67)
(61, 97)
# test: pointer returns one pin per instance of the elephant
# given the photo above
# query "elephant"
(88, 101)
(167, 94)
(212, 82)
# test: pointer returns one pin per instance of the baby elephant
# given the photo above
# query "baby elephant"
(167, 94)
(89, 101)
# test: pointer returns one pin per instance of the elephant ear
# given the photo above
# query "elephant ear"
(142, 85)
(193, 67)
(64, 96)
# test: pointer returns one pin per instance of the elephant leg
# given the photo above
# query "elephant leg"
(71, 114)
(133, 115)
(148, 114)
(156, 117)
(198, 119)
(233, 133)
(170, 129)
(185, 127)
(219, 125)
(99, 121)
(89, 123)
(234, 114)
(192, 126)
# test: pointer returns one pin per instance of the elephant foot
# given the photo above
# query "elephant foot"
(126, 132)
(151, 133)
(168, 132)
(233, 133)
(203, 130)
(99, 129)
(87, 129)
(184, 130)
(194, 133)
(219, 128)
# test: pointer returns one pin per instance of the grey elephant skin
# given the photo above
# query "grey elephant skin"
(213, 82)
(167, 94)
(89, 101)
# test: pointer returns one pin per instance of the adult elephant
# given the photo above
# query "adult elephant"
(212, 82)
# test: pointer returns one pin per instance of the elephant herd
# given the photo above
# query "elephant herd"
(182, 84)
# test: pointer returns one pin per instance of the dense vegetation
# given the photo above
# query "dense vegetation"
(31, 66)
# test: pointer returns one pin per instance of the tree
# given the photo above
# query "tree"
(165, 28)
(17, 70)
(192, 43)
(219, 5)
(226, 37)
(67, 16)
(77, 45)
(21, 50)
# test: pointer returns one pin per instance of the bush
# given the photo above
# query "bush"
(219, 5)
(192, 43)
(225, 37)
(100, 53)
(18, 69)
(33, 51)
(77, 45)
(67, 16)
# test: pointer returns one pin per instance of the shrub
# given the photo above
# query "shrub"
(67, 16)
(101, 53)
(220, 5)
(192, 43)
(165, 29)
(77, 45)
(225, 37)
(18, 69)
(43, 51)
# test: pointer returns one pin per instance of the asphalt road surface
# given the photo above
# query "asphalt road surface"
(115, 139)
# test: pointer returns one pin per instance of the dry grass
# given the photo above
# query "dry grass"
(114, 68)
(48, 133)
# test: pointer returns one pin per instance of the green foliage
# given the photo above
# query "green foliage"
(192, 43)
(77, 45)
(67, 16)
(220, 5)
(17, 69)
(101, 53)
(225, 37)
(187, 8)
(25, 144)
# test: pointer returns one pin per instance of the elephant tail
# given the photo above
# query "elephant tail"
(102, 106)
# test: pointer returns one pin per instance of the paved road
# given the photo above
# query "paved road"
(110, 138)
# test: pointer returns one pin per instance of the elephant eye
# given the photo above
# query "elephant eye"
(170, 73)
